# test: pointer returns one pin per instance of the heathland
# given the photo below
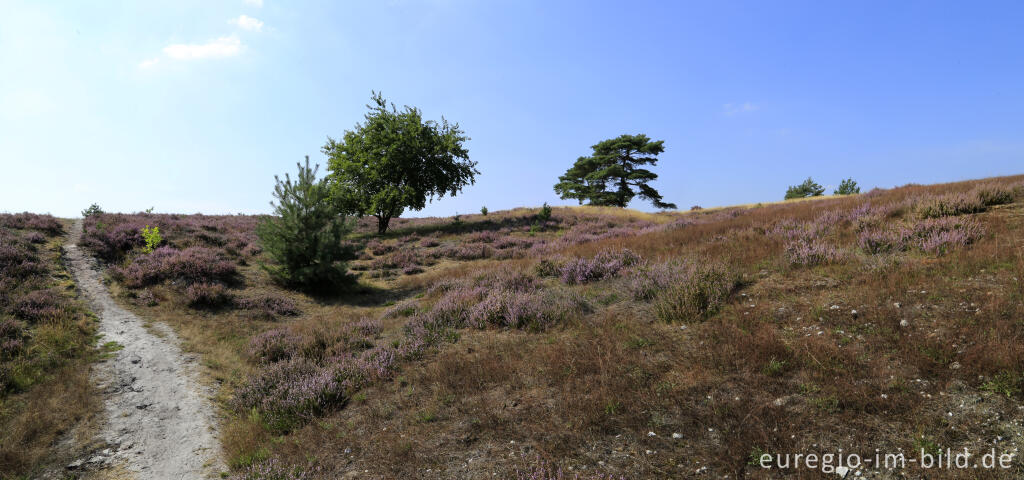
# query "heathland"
(596, 342)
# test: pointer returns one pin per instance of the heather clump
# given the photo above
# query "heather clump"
(290, 392)
(275, 345)
(602, 265)
(207, 295)
(993, 194)
(950, 204)
(191, 265)
(12, 339)
(812, 251)
(18, 258)
(932, 235)
(41, 306)
(30, 221)
(272, 469)
(701, 291)
(943, 234)
(268, 305)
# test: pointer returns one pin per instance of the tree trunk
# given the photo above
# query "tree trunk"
(382, 224)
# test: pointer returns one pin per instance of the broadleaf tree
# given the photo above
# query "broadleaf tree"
(305, 236)
(395, 160)
(613, 175)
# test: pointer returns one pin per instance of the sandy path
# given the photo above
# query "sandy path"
(160, 423)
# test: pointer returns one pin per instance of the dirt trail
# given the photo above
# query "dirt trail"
(160, 424)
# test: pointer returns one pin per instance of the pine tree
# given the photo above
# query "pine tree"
(807, 189)
(612, 175)
(847, 187)
(305, 235)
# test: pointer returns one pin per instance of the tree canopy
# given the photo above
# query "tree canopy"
(807, 189)
(847, 187)
(395, 160)
(613, 176)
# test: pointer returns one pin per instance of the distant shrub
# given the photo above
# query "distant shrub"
(951, 204)
(696, 208)
(207, 295)
(483, 211)
(704, 290)
(807, 189)
(545, 213)
(93, 209)
(847, 187)
(604, 264)
(152, 238)
(305, 238)
(269, 305)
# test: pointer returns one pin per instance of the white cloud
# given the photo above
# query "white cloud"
(731, 109)
(149, 63)
(220, 48)
(247, 23)
(255, 3)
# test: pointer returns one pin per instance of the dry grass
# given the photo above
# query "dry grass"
(869, 351)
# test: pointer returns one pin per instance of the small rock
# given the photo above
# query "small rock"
(75, 464)
(897, 304)
(904, 323)
(677, 436)
(842, 471)
(652, 434)
(96, 459)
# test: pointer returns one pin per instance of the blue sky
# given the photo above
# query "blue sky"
(193, 106)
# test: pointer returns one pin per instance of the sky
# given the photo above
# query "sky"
(193, 106)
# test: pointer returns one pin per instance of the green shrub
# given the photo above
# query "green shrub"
(152, 237)
(847, 187)
(698, 296)
(93, 209)
(545, 213)
(483, 211)
(304, 237)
